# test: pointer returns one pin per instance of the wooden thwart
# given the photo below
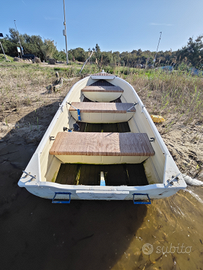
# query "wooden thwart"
(112, 88)
(95, 107)
(102, 144)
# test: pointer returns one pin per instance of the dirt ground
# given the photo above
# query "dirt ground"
(38, 235)
(185, 144)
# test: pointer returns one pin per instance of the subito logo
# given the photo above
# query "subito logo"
(147, 249)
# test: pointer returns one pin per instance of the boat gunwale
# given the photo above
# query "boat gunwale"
(94, 187)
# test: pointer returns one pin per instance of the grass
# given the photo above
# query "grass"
(170, 94)
(23, 84)
(2, 58)
(174, 95)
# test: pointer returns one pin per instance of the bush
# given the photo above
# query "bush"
(52, 61)
(37, 60)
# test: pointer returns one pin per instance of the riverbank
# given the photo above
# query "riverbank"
(97, 235)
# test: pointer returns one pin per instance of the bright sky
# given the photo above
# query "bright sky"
(117, 25)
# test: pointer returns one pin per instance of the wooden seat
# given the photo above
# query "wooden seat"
(102, 93)
(92, 88)
(96, 112)
(95, 107)
(101, 148)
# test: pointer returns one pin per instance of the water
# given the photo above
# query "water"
(173, 228)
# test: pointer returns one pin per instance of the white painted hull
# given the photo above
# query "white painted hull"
(160, 169)
(47, 191)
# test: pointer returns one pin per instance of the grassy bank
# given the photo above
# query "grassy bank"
(168, 94)
(175, 93)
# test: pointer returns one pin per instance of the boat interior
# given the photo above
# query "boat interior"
(114, 174)
(99, 145)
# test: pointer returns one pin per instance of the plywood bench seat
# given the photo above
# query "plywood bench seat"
(95, 107)
(96, 112)
(94, 88)
(101, 148)
(102, 93)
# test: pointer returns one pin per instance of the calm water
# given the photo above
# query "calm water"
(170, 236)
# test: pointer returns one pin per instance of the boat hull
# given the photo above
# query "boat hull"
(163, 177)
(49, 190)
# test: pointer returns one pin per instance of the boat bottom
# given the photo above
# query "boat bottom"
(115, 175)
(112, 127)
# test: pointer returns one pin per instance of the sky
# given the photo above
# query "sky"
(115, 25)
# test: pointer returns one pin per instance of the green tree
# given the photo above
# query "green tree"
(116, 58)
(107, 58)
(97, 49)
(79, 54)
(192, 53)
(60, 55)
(48, 48)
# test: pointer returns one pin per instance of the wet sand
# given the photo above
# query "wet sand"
(36, 234)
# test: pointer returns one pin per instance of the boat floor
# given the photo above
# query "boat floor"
(116, 127)
(115, 175)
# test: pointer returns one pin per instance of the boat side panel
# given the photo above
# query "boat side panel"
(46, 161)
(52, 169)
(150, 164)
(158, 159)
